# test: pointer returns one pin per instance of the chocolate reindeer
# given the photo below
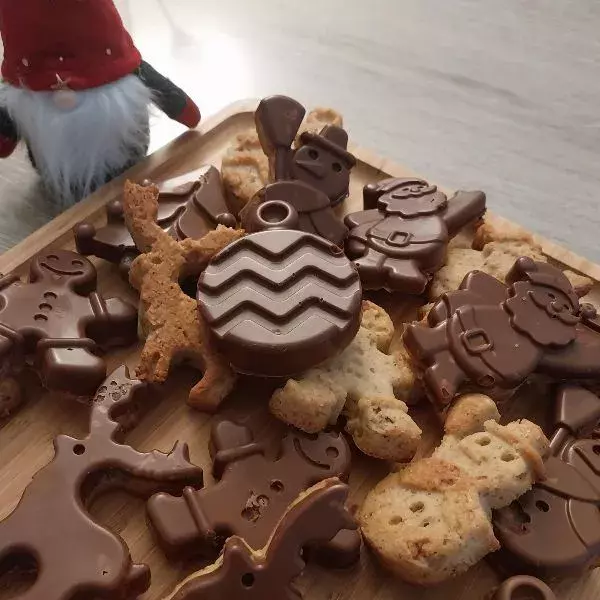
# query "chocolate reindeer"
(243, 572)
(400, 240)
(74, 554)
(251, 493)
(490, 335)
(59, 320)
(310, 178)
(189, 207)
(554, 529)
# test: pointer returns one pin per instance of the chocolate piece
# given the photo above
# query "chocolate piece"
(257, 574)
(312, 207)
(522, 587)
(323, 162)
(312, 178)
(273, 214)
(278, 119)
(50, 525)
(280, 302)
(489, 335)
(554, 530)
(400, 240)
(251, 493)
(60, 321)
(189, 207)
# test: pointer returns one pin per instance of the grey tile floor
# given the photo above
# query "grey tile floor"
(503, 96)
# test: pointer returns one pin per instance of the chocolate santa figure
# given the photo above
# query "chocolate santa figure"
(77, 92)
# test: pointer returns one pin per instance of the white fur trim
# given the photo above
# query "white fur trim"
(76, 149)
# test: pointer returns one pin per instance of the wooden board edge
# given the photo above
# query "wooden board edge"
(31, 245)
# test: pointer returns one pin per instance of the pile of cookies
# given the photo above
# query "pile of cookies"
(282, 290)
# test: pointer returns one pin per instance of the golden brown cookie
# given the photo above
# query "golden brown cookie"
(494, 251)
(366, 384)
(168, 318)
(433, 520)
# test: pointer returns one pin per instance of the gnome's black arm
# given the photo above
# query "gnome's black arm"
(172, 100)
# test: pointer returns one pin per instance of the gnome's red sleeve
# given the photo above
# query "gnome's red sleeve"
(8, 134)
(172, 100)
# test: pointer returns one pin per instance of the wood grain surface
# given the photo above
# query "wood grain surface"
(500, 96)
(26, 438)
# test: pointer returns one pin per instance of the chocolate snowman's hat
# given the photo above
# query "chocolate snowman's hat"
(332, 139)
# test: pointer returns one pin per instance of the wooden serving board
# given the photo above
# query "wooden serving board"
(26, 438)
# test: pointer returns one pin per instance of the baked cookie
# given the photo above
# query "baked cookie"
(432, 520)
(363, 382)
(168, 318)
(494, 250)
(245, 167)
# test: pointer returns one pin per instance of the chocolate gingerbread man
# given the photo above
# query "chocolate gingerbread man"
(490, 335)
(189, 207)
(400, 240)
(244, 572)
(554, 530)
(311, 178)
(61, 322)
(75, 555)
(251, 493)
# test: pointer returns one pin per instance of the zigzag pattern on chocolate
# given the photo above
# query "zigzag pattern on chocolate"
(273, 290)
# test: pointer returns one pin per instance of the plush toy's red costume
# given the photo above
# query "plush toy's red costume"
(76, 90)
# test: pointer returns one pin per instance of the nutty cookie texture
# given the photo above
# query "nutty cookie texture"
(432, 520)
(365, 383)
(168, 318)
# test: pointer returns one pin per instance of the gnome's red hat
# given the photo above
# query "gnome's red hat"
(76, 43)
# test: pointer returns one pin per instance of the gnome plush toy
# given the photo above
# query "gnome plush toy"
(77, 92)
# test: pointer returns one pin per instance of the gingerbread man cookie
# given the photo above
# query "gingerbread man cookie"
(60, 321)
(489, 335)
(251, 493)
(74, 553)
(401, 238)
(169, 319)
(365, 383)
(190, 205)
(432, 520)
(243, 572)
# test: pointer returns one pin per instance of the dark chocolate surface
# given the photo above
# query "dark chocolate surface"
(74, 553)
(488, 335)
(251, 493)
(59, 321)
(554, 530)
(279, 302)
(524, 587)
(189, 206)
(242, 572)
(401, 238)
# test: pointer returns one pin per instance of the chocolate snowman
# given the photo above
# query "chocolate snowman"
(323, 162)
(311, 179)
(400, 240)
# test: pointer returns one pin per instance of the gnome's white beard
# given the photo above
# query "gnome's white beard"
(76, 149)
